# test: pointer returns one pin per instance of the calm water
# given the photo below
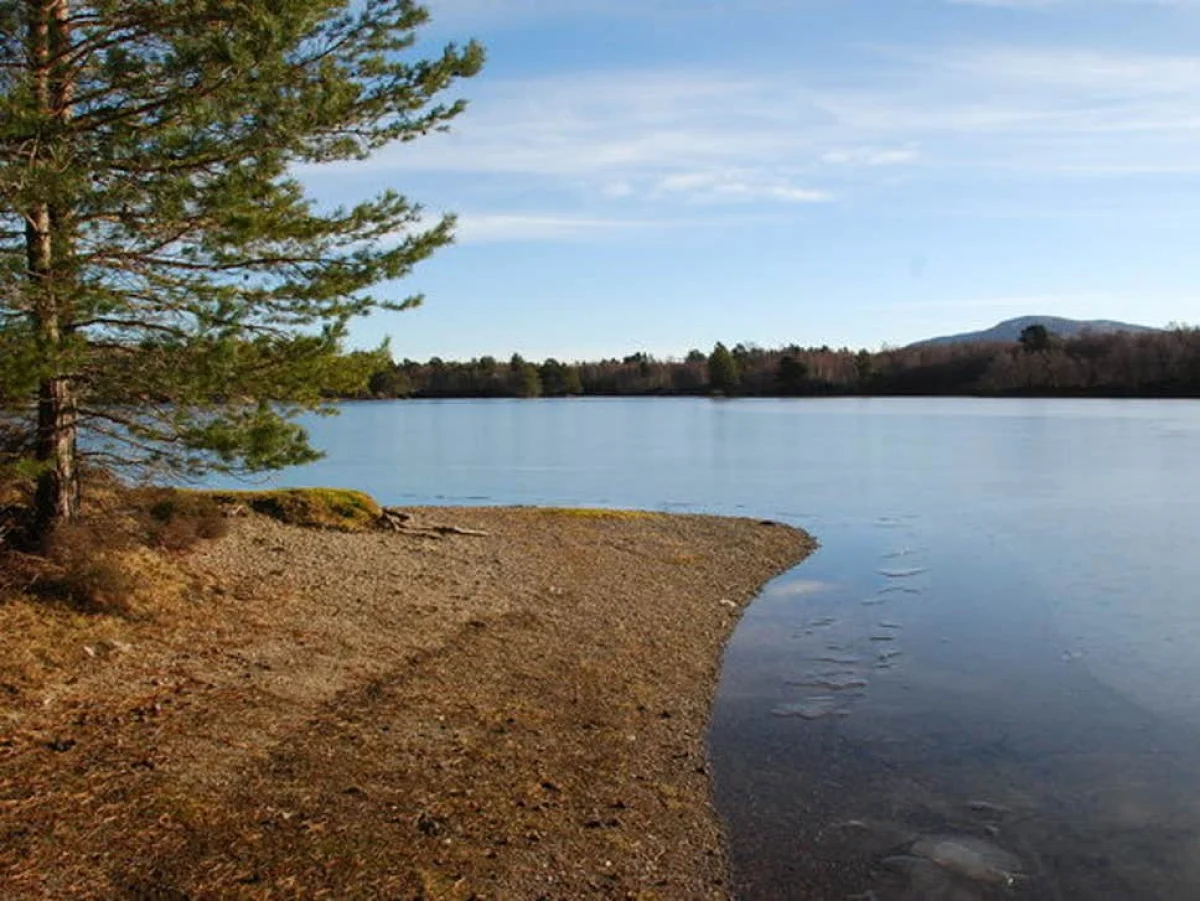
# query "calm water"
(986, 684)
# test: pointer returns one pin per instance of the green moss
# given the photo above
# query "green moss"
(318, 508)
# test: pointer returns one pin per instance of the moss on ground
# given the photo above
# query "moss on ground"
(321, 508)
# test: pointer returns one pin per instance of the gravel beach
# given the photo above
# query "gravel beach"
(514, 708)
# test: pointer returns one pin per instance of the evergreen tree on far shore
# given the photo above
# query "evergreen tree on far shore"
(723, 376)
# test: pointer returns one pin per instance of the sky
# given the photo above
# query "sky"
(659, 175)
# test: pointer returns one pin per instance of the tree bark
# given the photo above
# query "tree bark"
(57, 497)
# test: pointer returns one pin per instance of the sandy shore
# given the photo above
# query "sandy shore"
(518, 714)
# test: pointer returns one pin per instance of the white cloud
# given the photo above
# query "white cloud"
(737, 186)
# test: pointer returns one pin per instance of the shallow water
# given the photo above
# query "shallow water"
(979, 717)
(997, 642)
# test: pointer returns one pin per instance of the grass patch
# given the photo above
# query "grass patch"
(316, 508)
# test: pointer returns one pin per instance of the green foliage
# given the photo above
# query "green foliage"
(558, 379)
(723, 375)
(188, 295)
(391, 381)
(572, 383)
(529, 381)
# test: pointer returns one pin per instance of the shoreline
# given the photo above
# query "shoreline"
(519, 713)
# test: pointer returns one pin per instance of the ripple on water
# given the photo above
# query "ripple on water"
(903, 573)
(841, 681)
(900, 552)
(840, 659)
(814, 708)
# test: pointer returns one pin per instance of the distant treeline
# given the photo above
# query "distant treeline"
(1122, 364)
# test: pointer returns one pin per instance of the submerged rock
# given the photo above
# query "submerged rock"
(970, 857)
(926, 881)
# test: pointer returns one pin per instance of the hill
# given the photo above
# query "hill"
(1010, 329)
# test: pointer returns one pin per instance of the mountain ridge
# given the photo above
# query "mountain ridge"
(1010, 330)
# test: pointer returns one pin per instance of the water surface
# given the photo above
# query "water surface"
(984, 683)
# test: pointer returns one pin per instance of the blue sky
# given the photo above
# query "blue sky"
(657, 175)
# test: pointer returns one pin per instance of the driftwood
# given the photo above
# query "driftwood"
(402, 521)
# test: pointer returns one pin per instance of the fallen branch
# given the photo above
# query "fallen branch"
(400, 521)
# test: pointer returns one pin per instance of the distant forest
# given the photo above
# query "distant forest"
(1121, 364)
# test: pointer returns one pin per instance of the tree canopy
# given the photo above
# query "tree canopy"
(723, 374)
(1036, 338)
(168, 288)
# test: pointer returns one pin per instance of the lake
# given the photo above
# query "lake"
(986, 684)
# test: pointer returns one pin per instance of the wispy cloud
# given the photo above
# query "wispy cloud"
(649, 140)
(737, 186)
(678, 135)
(488, 228)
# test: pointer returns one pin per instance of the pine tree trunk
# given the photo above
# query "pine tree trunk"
(57, 497)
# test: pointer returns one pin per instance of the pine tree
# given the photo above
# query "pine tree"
(723, 375)
(167, 289)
